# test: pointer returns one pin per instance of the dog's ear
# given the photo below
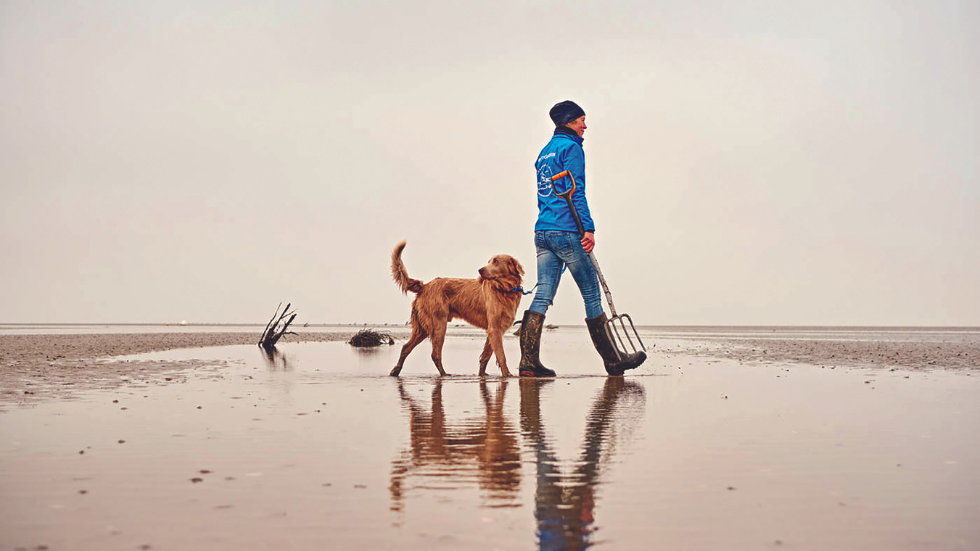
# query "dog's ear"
(516, 267)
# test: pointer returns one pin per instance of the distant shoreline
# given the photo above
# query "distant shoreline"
(655, 328)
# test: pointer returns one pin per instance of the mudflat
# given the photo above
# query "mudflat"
(38, 365)
(897, 347)
(724, 439)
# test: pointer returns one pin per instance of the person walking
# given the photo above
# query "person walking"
(559, 245)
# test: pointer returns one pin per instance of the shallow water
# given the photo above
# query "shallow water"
(317, 448)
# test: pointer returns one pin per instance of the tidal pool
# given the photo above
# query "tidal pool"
(316, 447)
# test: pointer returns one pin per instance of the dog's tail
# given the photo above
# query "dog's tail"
(400, 274)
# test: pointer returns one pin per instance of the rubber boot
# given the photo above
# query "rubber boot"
(614, 364)
(531, 328)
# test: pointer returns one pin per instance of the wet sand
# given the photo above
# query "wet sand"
(34, 366)
(899, 348)
(38, 366)
(315, 447)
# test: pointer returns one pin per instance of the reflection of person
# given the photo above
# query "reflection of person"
(455, 452)
(564, 503)
(559, 245)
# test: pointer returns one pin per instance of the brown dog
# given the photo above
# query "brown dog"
(489, 302)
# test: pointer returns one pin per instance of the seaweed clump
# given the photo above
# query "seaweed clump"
(369, 337)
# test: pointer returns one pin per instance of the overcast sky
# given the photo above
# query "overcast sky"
(748, 162)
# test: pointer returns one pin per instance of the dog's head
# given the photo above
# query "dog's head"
(504, 271)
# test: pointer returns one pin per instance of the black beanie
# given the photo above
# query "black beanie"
(565, 112)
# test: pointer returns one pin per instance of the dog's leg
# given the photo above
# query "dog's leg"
(497, 343)
(438, 337)
(485, 357)
(417, 336)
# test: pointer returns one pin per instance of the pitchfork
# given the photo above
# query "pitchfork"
(619, 334)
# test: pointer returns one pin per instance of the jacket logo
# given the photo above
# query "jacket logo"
(544, 181)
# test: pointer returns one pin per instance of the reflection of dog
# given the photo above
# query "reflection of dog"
(489, 302)
(451, 452)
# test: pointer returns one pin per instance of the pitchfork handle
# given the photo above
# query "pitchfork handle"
(567, 196)
(581, 230)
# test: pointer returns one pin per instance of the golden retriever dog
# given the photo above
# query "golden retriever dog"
(489, 302)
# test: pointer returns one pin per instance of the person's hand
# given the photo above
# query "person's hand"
(588, 241)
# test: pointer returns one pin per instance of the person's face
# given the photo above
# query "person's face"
(578, 126)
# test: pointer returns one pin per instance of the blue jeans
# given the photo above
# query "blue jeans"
(556, 249)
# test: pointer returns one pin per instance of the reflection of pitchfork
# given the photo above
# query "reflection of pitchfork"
(617, 331)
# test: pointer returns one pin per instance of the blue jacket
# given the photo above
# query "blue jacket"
(563, 152)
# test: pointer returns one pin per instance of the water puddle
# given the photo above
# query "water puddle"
(314, 446)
